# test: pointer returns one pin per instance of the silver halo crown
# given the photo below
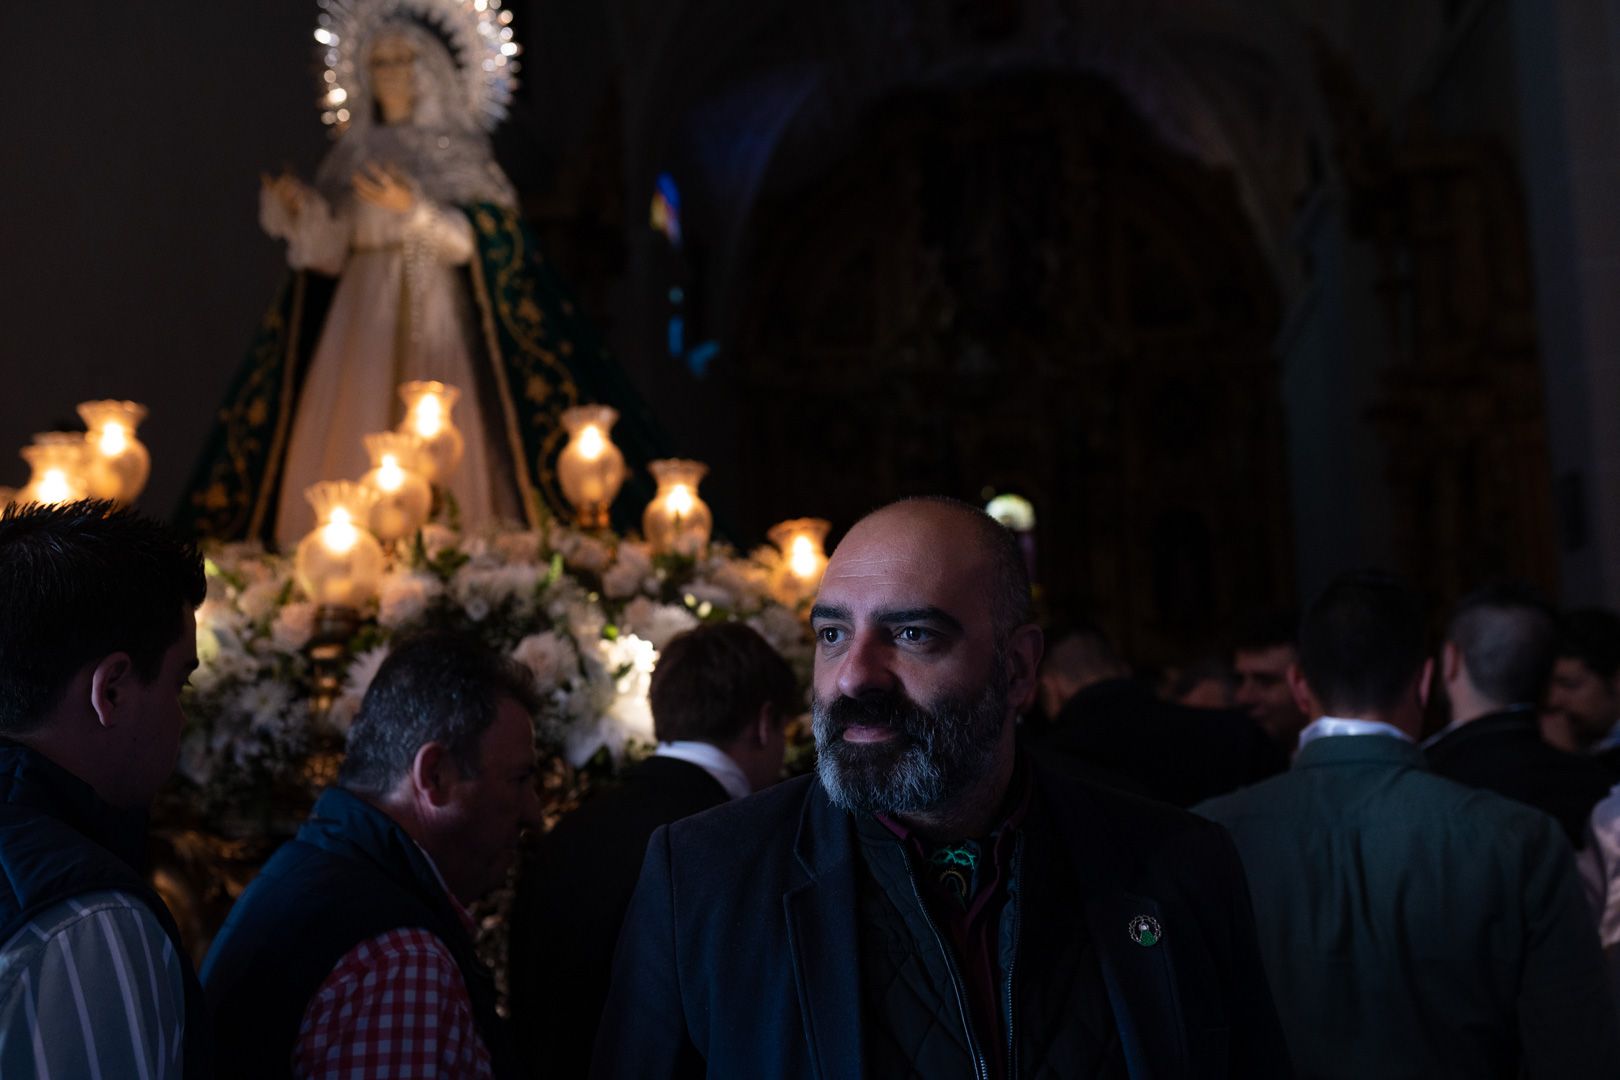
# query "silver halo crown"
(478, 32)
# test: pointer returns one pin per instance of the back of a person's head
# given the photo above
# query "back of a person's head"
(1361, 643)
(79, 582)
(1266, 628)
(1081, 652)
(437, 687)
(712, 681)
(1508, 637)
(1592, 636)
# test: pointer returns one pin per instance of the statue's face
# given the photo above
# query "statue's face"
(393, 77)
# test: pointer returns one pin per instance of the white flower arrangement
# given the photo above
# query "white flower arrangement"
(585, 613)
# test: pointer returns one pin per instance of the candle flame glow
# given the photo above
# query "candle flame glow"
(803, 558)
(429, 416)
(390, 477)
(339, 533)
(591, 442)
(679, 500)
(114, 440)
(54, 486)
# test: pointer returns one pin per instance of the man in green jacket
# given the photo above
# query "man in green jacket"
(1411, 927)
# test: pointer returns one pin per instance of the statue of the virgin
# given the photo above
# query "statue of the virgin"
(410, 262)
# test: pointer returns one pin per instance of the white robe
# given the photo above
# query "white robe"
(385, 326)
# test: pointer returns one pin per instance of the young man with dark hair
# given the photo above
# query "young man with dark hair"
(352, 951)
(97, 639)
(930, 902)
(1264, 651)
(1585, 689)
(1494, 664)
(720, 697)
(1411, 926)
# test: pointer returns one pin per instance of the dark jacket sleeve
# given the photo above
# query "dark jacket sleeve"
(1258, 1047)
(1567, 1018)
(644, 1031)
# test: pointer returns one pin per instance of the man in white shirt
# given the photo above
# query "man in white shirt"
(1410, 926)
(720, 698)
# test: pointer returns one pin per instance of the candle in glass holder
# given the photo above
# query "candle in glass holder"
(339, 563)
(801, 542)
(57, 459)
(427, 416)
(677, 520)
(404, 497)
(117, 464)
(590, 468)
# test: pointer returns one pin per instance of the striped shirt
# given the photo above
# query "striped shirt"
(92, 987)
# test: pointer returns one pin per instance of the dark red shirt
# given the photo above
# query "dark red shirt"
(974, 929)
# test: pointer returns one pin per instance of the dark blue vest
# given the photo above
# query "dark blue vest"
(349, 875)
(59, 840)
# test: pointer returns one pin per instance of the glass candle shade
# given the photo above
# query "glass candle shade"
(804, 557)
(117, 464)
(57, 461)
(339, 563)
(427, 416)
(404, 496)
(677, 521)
(590, 468)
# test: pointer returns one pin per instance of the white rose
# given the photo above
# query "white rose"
(436, 539)
(403, 598)
(258, 601)
(294, 626)
(550, 657)
(519, 547)
(584, 552)
(654, 622)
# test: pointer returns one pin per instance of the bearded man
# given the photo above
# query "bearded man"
(930, 903)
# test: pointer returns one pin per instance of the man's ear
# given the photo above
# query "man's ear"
(1024, 648)
(110, 683)
(432, 774)
(1304, 700)
(766, 724)
(1450, 663)
(1425, 681)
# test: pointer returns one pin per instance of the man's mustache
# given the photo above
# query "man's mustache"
(891, 711)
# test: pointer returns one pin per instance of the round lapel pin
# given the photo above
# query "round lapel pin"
(1145, 930)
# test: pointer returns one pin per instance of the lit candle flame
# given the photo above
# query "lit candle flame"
(591, 443)
(679, 500)
(803, 559)
(390, 477)
(429, 416)
(114, 440)
(339, 533)
(54, 486)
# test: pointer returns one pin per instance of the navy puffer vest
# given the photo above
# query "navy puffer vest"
(349, 875)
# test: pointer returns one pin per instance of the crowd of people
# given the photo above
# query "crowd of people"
(1343, 850)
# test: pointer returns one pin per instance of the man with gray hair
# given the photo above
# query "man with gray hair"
(1500, 645)
(932, 903)
(351, 954)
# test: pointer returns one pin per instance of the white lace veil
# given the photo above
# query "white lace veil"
(441, 149)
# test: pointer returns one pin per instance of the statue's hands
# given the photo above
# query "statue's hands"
(287, 189)
(384, 187)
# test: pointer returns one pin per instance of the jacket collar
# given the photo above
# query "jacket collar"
(1360, 750)
(29, 778)
(823, 939)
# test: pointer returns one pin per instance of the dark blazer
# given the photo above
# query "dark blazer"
(1505, 753)
(1414, 927)
(740, 958)
(571, 898)
(1123, 735)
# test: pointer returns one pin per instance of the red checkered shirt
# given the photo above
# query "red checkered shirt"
(394, 1006)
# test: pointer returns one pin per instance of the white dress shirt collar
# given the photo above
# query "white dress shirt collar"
(1332, 726)
(712, 760)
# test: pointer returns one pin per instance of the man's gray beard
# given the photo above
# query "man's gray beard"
(937, 754)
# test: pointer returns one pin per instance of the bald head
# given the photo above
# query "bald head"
(954, 536)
